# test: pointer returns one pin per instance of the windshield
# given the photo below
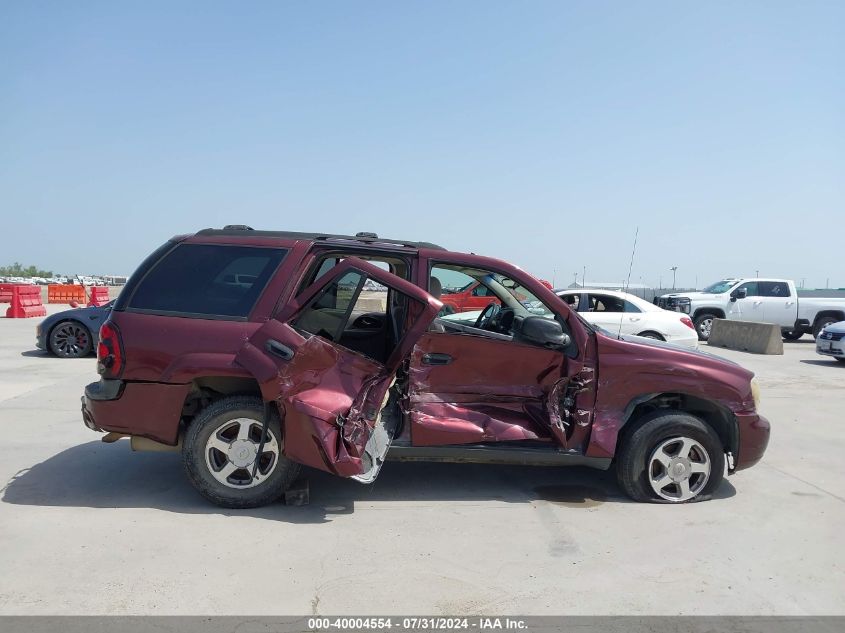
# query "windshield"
(719, 287)
(525, 297)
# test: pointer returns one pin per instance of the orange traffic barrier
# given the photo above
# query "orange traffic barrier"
(63, 293)
(99, 296)
(26, 302)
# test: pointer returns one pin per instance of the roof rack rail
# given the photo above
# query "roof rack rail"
(362, 237)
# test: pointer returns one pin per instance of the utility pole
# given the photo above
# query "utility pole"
(673, 269)
(757, 273)
(576, 279)
(584, 277)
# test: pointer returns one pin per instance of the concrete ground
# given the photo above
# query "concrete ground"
(91, 528)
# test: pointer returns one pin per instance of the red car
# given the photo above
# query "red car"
(254, 352)
(473, 296)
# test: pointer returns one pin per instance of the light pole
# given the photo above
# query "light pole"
(673, 269)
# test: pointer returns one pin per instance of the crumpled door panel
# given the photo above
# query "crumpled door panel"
(491, 391)
(321, 387)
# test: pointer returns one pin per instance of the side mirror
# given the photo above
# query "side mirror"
(742, 293)
(543, 331)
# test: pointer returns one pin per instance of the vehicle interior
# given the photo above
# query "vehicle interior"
(355, 311)
(512, 306)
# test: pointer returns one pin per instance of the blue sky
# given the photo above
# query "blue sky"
(538, 132)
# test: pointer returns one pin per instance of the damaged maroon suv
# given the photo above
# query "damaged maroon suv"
(255, 352)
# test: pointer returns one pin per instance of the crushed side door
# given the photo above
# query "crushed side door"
(331, 398)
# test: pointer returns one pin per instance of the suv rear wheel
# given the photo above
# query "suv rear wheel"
(220, 449)
(672, 457)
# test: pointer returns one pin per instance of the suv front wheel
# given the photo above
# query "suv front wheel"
(220, 450)
(671, 457)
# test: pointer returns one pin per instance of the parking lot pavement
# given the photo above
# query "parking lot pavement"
(92, 528)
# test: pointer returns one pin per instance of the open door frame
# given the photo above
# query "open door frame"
(329, 397)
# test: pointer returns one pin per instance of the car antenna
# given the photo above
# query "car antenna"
(627, 283)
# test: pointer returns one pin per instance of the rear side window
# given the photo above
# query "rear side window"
(207, 281)
(773, 288)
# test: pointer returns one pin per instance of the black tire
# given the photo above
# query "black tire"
(791, 335)
(632, 459)
(652, 335)
(70, 339)
(821, 323)
(703, 323)
(212, 420)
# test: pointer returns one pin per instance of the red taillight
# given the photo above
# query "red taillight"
(109, 352)
(688, 322)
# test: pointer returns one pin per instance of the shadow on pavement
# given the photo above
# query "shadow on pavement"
(826, 362)
(98, 475)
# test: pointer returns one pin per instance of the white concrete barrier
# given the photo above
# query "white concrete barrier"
(746, 336)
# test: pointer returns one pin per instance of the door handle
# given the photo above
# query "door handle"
(280, 350)
(633, 318)
(433, 358)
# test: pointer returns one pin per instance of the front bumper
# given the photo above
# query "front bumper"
(40, 337)
(827, 347)
(754, 431)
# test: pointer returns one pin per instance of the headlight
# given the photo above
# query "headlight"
(755, 392)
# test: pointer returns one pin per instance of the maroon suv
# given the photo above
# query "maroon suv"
(257, 351)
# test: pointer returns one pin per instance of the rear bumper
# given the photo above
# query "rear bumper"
(754, 433)
(95, 392)
(150, 410)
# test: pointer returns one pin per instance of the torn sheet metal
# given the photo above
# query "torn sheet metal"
(494, 391)
(329, 398)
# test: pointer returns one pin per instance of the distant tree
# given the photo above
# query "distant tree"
(16, 270)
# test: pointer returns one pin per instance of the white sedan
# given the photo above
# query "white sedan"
(623, 313)
(618, 313)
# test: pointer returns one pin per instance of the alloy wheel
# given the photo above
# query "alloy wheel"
(70, 340)
(231, 452)
(678, 469)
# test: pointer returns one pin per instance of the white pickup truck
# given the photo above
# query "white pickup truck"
(761, 300)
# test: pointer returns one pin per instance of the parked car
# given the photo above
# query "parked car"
(761, 300)
(624, 313)
(252, 382)
(72, 333)
(618, 313)
(831, 341)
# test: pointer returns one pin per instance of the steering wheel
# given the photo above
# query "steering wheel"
(487, 315)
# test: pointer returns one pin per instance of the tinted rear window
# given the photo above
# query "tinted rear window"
(207, 280)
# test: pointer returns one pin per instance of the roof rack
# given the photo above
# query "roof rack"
(363, 236)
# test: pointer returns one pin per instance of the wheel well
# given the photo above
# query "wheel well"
(836, 314)
(719, 418)
(716, 312)
(208, 389)
(657, 334)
